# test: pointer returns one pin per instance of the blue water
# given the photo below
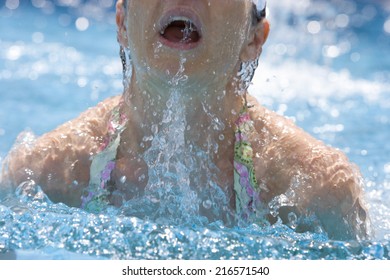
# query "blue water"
(326, 66)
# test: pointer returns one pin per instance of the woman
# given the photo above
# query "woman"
(185, 122)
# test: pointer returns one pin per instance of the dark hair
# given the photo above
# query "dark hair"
(257, 15)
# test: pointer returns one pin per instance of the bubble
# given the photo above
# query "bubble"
(82, 24)
(64, 20)
(386, 26)
(38, 37)
(82, 82)
(331, 51)
(14, 52)
(314, 27)
(355, 57)
(281, 49)
(282, 109)
(12, 4)
(342, 20)
(38, 3)
(369, 12)
(106, 3)
(335, 114)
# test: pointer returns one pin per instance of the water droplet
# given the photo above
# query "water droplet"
(147, 138)
(141, 178)
(207, 204)
(154, 129)
(292, 218)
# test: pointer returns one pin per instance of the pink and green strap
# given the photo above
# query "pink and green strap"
(245, 183)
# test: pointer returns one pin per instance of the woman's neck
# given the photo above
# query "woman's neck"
(207, 114)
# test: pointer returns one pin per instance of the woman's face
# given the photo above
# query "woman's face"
(205, 36)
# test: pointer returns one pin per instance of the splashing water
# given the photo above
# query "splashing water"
(175, 192)
(168, 187)
(31, 226)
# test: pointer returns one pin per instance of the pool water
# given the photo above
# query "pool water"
(326, 66)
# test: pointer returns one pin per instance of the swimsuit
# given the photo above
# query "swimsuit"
(103, 163)
(245, 185)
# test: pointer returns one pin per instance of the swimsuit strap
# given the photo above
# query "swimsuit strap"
(245, 184)
(103, 163)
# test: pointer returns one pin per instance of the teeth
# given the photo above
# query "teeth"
(189, 24)
(178, 18)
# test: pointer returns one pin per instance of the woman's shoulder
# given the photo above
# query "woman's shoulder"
(280, 141)
(275, 128)
(64, 151)
(91, 124)
(97, 116)
(287, 155)
(82, 133)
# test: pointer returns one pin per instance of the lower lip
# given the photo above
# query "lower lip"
(179, 45)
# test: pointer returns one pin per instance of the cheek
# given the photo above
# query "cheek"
(140, 41)
(229, 33)
(226, 47)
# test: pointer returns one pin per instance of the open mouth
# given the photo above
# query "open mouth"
(180, 32)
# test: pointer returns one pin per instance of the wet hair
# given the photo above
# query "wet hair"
(257, 15)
